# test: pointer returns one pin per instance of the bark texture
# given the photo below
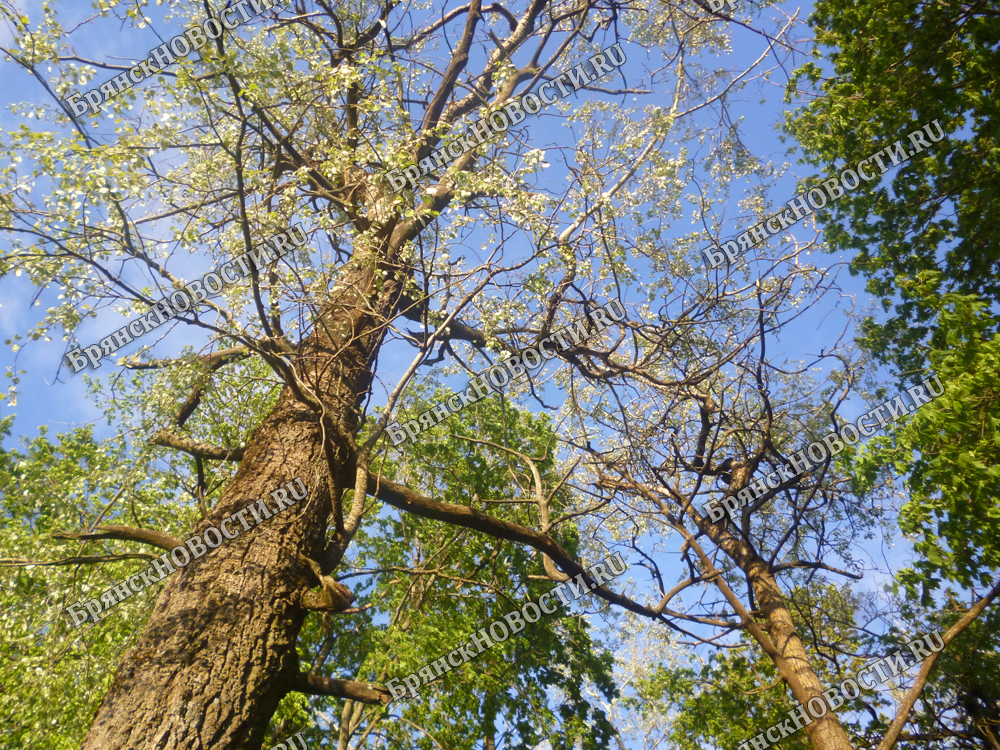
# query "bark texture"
(218, 653)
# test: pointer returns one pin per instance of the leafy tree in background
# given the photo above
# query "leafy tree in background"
(896, 67)
(927, 243)
(734, 693)
(411, 623)
(958, 706)
(296, 118)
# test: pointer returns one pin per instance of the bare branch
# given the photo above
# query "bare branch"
(210, 362)
(127, 533)
(816, 566)
(17, 562)
(314, 684)
(407, 500)
(903, 714)
(202, 450)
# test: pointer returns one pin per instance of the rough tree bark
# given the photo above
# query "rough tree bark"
(772, 626)
(218, 653)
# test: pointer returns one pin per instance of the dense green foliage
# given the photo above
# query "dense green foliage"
(895, 67)
(926, 241)
(645, 414)
(423, 585)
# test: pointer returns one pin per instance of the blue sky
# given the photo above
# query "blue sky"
(46, 401)
(63, 404)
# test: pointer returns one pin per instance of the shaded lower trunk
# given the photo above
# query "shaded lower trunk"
(219, 651)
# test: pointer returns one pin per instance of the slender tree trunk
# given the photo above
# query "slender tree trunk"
(218, 653)
(825, 733)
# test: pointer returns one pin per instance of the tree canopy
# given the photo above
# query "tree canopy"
(444, 264)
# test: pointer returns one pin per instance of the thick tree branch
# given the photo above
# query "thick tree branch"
(745, 557)
(127, 533)
(458, 331)
(314, 684)
(407, 500)
(202, 450)
(447, 18)
(210, 362)
(459, 59)
(17, 562)
(816, 566)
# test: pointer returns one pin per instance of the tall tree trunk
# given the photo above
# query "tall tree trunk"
(825, 733)
(218, 653)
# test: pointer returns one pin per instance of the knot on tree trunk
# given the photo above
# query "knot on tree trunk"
(333, 596)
